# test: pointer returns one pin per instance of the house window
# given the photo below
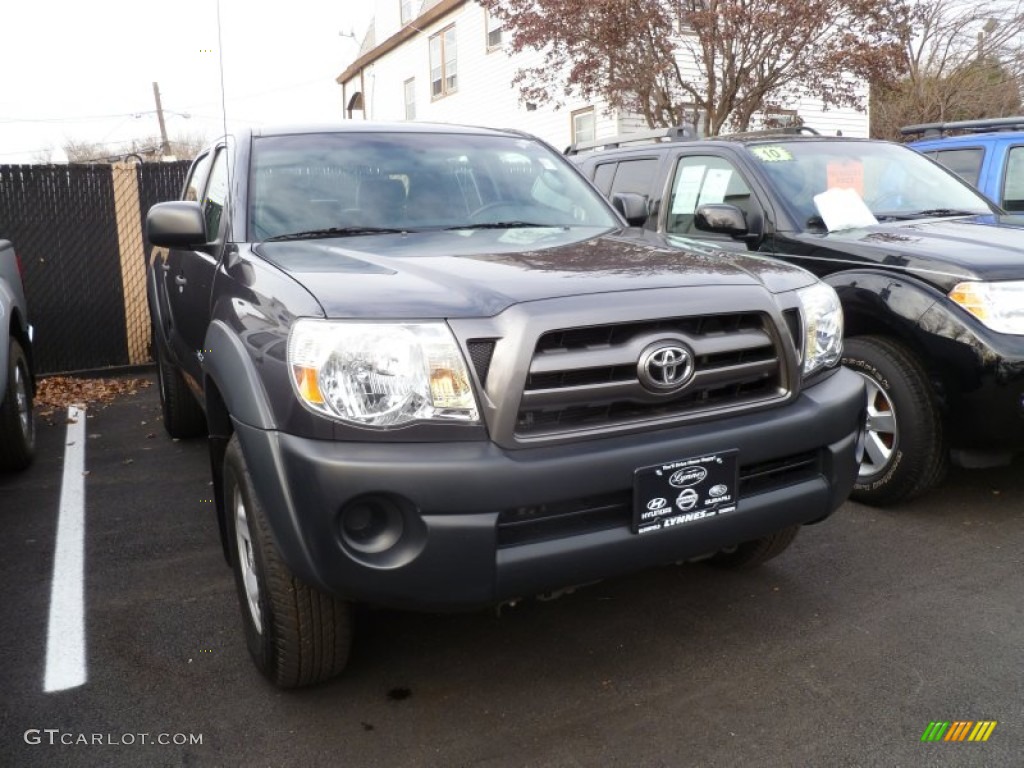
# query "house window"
(443, 67)
(694, 117)
(410, 98)
(493, 24)
(584, 127)
(406, 6)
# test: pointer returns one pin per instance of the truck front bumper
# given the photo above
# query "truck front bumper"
(468, 524)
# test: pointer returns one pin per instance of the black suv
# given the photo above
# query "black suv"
(434, 374)
(930, 274)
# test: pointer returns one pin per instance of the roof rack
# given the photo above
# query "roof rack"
(936, 130)
(675, 133)
(786, 130)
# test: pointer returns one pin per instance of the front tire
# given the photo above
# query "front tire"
(17, 422)
(297, 635)
(905, 449)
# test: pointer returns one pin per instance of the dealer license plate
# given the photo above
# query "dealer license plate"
(682, 492)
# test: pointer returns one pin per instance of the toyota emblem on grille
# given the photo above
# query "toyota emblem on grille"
(665, 367)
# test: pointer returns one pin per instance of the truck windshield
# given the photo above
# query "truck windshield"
(364, 182)
(894, 181)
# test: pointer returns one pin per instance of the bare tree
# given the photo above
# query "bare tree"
(727, 59)
(183, 147)
(958, 61)
(80, 151)
(43, 156)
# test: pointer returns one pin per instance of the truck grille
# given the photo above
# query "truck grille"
(583, 378)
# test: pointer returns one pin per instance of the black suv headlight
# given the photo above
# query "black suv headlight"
(822, 321)
(380, 374)
(1000, 306)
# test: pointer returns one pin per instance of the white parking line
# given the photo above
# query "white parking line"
(65, 641)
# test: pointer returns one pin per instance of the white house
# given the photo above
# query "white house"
(447, 61)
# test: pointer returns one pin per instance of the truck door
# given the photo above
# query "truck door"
(188, 276)
(701, 179)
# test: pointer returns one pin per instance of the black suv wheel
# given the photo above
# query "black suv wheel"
(905, 452)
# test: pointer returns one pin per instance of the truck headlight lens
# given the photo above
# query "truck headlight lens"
(1000, 306)
(380, 374)
(822, 318)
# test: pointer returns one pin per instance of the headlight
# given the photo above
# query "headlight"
(1000, 306)
(380, 374)
(823, 327)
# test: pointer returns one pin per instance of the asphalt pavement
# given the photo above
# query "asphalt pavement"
(841, 652)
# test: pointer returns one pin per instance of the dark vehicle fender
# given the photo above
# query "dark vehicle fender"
(882, 302)
(13, 325)
(6, 305)
(233, 391)
(920, 317)
(156, 320)
(227, 365)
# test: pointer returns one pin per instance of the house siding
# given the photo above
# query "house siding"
(485, 95)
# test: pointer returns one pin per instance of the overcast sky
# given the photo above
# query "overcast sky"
(85, 70)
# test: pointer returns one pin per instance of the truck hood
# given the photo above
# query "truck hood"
(479, 273)
(945, 251)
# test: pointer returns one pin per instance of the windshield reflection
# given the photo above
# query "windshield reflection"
(894, 181)
(336, 183)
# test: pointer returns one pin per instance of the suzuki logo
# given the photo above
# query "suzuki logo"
(665, 367)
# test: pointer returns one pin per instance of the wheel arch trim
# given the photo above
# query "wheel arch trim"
(228, 365)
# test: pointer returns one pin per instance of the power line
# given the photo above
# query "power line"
(80, 118)
(84, 118)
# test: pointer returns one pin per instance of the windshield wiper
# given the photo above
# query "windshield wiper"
(505, 225)
(313, 234)
(943, 212)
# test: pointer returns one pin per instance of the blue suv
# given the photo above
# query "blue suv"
(986, 153)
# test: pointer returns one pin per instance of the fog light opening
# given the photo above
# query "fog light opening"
(371, 524)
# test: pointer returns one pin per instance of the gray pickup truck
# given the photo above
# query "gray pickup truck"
(17, 428)
(435, 372)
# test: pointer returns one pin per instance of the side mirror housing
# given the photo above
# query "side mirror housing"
(176, 224)
(632, 206)
(721, 218)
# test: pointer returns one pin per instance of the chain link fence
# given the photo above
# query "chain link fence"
(79, 232)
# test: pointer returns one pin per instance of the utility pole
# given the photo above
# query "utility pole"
(165, 146)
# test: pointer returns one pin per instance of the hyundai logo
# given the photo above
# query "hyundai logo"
(665, 367)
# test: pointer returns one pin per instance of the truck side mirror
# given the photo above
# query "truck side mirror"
(176, 224)
(721, 218)
(632, 206)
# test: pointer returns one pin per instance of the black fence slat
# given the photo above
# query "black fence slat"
(63, 222)
(159, 182)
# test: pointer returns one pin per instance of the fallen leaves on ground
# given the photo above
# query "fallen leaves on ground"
(63, 391)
